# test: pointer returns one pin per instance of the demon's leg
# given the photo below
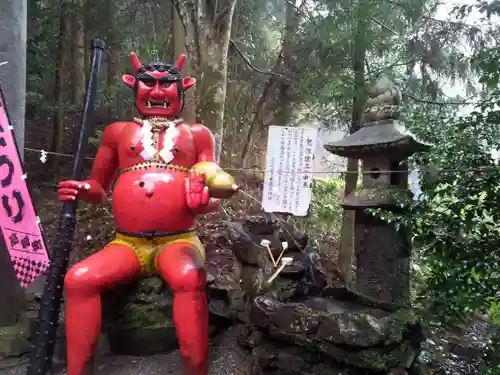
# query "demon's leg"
(84, 282)
(181, 266)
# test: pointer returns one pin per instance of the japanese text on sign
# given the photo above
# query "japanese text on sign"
(289, 167)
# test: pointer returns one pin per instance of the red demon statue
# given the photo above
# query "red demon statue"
(166, 175)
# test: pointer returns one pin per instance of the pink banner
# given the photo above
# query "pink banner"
(18, 221)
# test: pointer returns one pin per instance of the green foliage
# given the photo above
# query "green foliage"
(325, 212)
(41, 49)
(455, 223)
(495, 310)
(95, 140)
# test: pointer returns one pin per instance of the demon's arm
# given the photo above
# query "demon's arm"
(219, 183)
(95, 189)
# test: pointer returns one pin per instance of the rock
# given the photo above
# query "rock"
(284, 289)
(313, 262)
(343, 293)
(272, 358)
(278, 359)
(463, 350)
(13, 362)
(260, 225)
(225, 297)
(252, 280)
(254, 264)
(248, 337)
(398, 371)
(30, 321)
(246, 246)
(137, 318)
(305, 276)
(295, 239)
(246, 237)
(297, 315)
(14, 341)
(351, 334)
(298, 267)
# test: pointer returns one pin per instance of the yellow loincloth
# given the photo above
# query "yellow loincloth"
(148, 250)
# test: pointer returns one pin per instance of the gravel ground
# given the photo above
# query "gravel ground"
(226, 358)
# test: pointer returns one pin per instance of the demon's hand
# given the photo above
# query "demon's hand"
(197, 194)
(89, 191)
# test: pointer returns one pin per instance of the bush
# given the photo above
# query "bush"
(325, 211)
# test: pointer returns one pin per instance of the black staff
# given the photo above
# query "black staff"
(48, 317)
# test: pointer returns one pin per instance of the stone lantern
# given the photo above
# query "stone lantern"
(383, 144)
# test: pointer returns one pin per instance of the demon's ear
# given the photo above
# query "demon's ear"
(129, 80)
(188, 82)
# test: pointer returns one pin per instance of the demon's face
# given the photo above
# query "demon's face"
(159, 88)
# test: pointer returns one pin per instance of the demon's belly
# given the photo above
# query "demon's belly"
(151, 201)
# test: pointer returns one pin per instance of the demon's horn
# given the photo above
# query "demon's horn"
(136, 64)
(180, 62)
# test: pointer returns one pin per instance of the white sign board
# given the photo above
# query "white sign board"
(289, 166)
(414, 178)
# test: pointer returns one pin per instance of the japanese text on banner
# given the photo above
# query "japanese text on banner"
(289, 167)
(19, 224)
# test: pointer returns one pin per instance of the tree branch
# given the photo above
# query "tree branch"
(250, 64)
(385, 27)
(297, 8)
(426, 101)
(259, 111)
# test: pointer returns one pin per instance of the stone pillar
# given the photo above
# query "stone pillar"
(382, 250)
(13, 25)
(13, 21)
(11, 294)
(382, 260)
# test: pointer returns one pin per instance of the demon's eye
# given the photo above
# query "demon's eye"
(149, 82)
(165, 84)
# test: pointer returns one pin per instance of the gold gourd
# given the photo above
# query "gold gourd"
(221, 184)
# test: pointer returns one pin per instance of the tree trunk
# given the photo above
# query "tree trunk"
(207, 26)
(58, 117)
(77, 51)
(345, 256)
(284, 115)
(189, 112)
(113, 48)
(86, 50)
(256, 127)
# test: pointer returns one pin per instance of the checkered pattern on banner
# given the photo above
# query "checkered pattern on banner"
(28, 270)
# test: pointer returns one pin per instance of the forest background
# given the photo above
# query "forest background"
(276, 62)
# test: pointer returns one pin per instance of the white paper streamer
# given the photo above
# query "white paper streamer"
(43, 156)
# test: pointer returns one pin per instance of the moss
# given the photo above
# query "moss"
(280, 289)
(402, 319)
(12, 331)
(376, 361)
(8, 363)
(406, 316)
(380, 361)
(140, 316)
